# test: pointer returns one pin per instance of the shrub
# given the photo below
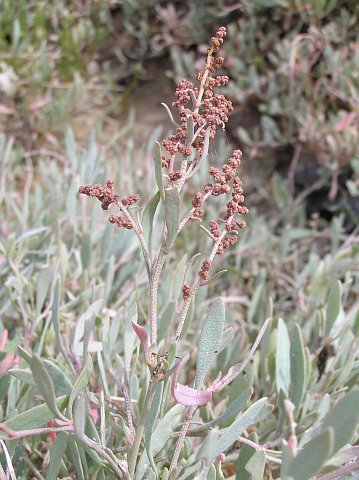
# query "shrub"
(109, 376)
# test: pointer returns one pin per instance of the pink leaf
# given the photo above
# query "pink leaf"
(186, 395)
(345, 121)
(142, 335)
(9, 361)
(3, 339)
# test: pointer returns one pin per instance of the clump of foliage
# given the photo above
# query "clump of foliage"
(295, 67)
(111, 402)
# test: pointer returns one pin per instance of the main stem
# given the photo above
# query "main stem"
(181, 438)
(133, 453)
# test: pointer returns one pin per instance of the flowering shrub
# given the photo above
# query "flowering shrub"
(113, 410)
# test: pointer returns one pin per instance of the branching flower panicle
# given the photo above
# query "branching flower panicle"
(201, 111)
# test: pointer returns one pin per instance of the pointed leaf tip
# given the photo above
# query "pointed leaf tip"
(142, 335)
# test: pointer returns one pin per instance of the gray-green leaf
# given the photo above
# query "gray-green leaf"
(172, 213)
(44, 383)
(209, 340)
(282, 359)
(255, 412)
(344, 419)
(310, 460)
(57, 453)
(297, 368)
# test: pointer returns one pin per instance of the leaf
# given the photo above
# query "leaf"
(172, 214)
(79, 414)
(153, 414)
(81, 382)
(164, 429)
(90, 314)
(160, 436)
(86, 250)
(256, 464)
(333, 306)
(151, 420)
(24, 354)
(55, 321)
(44, 383)
(61, 378)
(142, 335)
(188, 471)
(158, 170)
(297, 368)
(186, 395)
(344, 419)
(147, 218)
(208, 447)
(255, 412)
(310, 460)
(129, 335)
(57, 453)
(233, 409)
(282, 359)
(35, 417)
(42, 288)
(23, 375)
(76, 458)
(209, 341)
(245, 454)
(227, 338)
(211, 475)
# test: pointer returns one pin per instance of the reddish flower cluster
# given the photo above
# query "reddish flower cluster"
(197, 204)
(217, 40)
(211, 110)
(173, 176)
(104, 194)
(132, 199)
(186, 291)
(214, 228)
(120, 221)
(223, 176)
(226, 243)
(205, 269)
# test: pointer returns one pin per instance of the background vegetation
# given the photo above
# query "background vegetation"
(76, 84)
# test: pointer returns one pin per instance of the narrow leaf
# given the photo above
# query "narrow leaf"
(333, 306)
(56, 323)
(158, 170)
(142, 335)
(76, 458)
(344, 419)
(79, 414)
(35, 417)
(209, 341)
(297, 368)
(256, 464)
(282, 362)
(245, 454)
(310, 460)
(42, 288)
(81, 381)
(254, 413)
(172, 214)
(57, 453)
(147, 218)
(233, 409)
(129, 335)
(23, 375)
(44, 383)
